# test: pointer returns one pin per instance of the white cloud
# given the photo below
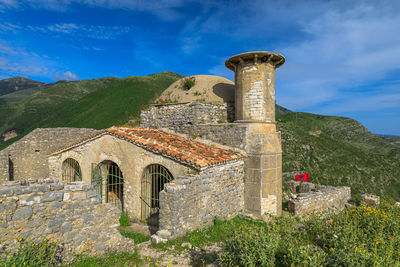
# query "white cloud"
(67, 75)
(86, 31)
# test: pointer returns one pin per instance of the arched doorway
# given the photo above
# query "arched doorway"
(71, 171)
(108, 181)
(114, 184)
(154, 178)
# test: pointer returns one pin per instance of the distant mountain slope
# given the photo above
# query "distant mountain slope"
(113, 101)
(393, 139)
(16, 84)
(340, 151)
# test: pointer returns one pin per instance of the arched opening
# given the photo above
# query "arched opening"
(71, 171)
(10, 169)
(114, 184)
(154, 178)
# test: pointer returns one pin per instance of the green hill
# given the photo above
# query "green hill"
(17, 84)
(339, 151)
(96, 103)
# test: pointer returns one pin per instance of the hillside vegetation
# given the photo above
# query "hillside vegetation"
(339, 151)
(96, 103)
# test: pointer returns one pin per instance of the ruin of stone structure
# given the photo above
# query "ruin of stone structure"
(189, 163)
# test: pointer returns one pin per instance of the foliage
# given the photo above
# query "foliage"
(343, 153)
(363, 236)
(32, 254)
(109, 260)
(188, 82)
(124, 219)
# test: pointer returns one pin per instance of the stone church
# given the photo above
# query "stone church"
(213, 151)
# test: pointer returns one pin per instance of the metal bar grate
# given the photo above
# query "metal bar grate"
(153, 181)
(71, 171)
(114, 185)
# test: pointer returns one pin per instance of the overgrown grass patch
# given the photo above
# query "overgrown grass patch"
(363, 236)
(218, 232)
(109, 260)
(138, 238)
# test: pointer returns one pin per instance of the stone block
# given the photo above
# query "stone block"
(29, 200)
(22, 213)
(22, 190)
(293, 186)
(78, 195)
(306, 187)
(52, 196)
(370, 200)
(269, 189)
(269, 176)
(5, 192)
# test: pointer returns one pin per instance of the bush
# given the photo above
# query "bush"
(33, 254)
(124, 219)
(364, 236)
(250, 246)
(188, 82)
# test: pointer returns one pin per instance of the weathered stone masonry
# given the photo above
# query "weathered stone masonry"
(29, 155)
(71, 214)
(322, 199)
(192, 201)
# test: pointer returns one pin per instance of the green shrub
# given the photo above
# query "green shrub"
(124, 219)
(250, 246)
(364, 236)
(138, 238)
(32, 254)
(188, 82)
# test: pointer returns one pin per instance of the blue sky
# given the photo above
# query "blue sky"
(342, 57)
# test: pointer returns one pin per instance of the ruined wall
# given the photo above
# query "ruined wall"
(71, 214)
(263, 181)
(182, 116)
(29, 155)
(193, 201)
(324, 198)
(131, 159)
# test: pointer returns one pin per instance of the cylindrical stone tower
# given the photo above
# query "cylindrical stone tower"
(255, 107)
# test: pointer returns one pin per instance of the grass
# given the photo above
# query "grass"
(109, 260)
(138, 238)
(218, 232)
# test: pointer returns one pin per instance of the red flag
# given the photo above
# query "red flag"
(305, 177)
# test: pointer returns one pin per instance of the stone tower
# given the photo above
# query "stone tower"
(255, 107)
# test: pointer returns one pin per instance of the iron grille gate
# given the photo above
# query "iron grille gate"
(154, 178)
(71, 171)
(114, 186)
(111, 175)
(97, 179)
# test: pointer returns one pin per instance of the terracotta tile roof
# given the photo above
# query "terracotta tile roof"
(193, 153)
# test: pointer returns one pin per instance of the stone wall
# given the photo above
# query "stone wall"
(71, 214)
(263, 182)
(29, 155)
(324, 198)
(182, 116)
(192, 201)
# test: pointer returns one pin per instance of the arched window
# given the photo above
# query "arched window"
(71, 171)
(154, 178)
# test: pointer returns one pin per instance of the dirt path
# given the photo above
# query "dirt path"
(189, 257)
